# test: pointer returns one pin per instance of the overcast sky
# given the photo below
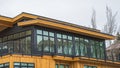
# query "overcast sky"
(74, 11)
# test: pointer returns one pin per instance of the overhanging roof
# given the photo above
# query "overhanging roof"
(52, 23)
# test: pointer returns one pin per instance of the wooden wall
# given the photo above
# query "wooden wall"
(49, 62)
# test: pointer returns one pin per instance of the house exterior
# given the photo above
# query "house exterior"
(32, 41)
(113, 51)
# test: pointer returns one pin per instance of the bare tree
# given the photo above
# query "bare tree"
(93, 20)
(111, 26)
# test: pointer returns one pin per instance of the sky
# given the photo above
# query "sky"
(73, 11)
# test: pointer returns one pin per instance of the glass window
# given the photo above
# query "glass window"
(23, 65)
(5, 48)
(0, 49)
(0, 40)
(52, 43)
(59, 36)
(45, 33)
(86, 49)
(16, 63)
(59, 42)
(82, 47)
(62, 66)
(46, 44)
(64, 36)
(39, 31)
(4, 65)
(5, 38)
(22, 34)
(28, 45)
(93, 49)
(23, 45)
(69, 37)
(29, 32)
(10, 47)
(9, 37)
(56, 66)
(16, 46)
(98, 49)
(1, 66)
(67, 66)
(77, 46)
(39, 43)
(102, 51)
(87, 66)
(16, 36)
(30, 64)
(51, 34)
(65, 47)
(70, 46)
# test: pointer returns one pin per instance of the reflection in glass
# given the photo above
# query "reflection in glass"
(16, 46)
(51, 34)
(70, 46)
(52, 43)
(39, 43)
(77, 46)
(65, 47)
(28, 45)
(39, 31)
(46, 44)
(59, 42)
(45, 33)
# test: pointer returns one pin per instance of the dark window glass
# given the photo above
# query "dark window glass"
(62, 66)
(52, 43)
(28, 45)
(5, 38)
(93, 49)
(102, 50)
(59, 42)
(16, 36)
(70, 46)
(29, 32)
(4, 65)
(23, 46)
(0, 49)
(87, 66)
(39, 43)
(46, 44)
(5, 48)
(1, 66)
(98, 49)
(67, 66)
(82, 47)
(10, 46)
(56, 66)
(16, 46)
(86, 42)
(77, 46)
(65, 47)
(0, 40)
(22, 34)
(23, 65)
